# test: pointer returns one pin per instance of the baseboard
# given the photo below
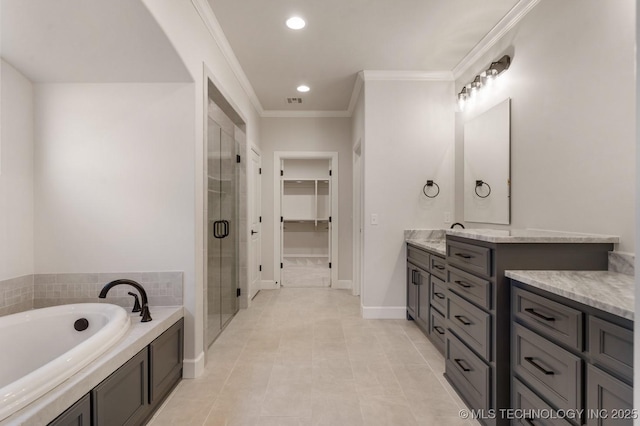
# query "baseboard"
(192, 368)
(343, 285)
(384, 312)
(268, 285)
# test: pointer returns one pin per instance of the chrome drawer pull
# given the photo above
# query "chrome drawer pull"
(439, 295)
(538, 366)
(459, 362)
(464, 255)
(539, 315)
(464, 320)
(438, 329)
(462, 284)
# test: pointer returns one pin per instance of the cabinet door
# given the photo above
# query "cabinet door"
(122, 398)
(423, 284)
(165, 357)
(412, 291)
(609, 397)
(79, 414)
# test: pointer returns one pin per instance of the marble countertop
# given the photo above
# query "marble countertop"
(54, 402)
(608, 291)
(437, 246)
(530, 236)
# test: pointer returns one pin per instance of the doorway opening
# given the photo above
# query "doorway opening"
(306, 216)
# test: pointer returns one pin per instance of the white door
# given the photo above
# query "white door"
(255, 219)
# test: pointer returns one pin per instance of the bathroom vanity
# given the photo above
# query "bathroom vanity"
(477, 302)
(572, 345)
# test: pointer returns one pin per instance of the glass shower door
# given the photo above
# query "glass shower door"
(222, 229)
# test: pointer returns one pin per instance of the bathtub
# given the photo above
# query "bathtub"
(40, 349)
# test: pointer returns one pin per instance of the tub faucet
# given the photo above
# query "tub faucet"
(146, 315)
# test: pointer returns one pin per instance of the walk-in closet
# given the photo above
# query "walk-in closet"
(306, 222)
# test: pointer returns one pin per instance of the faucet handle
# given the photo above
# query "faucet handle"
(136, 303)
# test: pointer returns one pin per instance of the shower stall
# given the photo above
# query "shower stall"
(222, 214)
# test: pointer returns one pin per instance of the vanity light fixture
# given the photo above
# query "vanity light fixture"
(484, 78)
(296, 23)
(303, 88)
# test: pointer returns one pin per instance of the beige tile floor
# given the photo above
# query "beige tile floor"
(303, 356)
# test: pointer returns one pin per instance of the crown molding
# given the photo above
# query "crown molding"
(515, 15)
(214, 28)
(381, 75)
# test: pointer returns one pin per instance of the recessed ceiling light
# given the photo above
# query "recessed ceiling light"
(296, 23)
(303, 89)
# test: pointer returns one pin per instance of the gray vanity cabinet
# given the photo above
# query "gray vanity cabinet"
(426, 293)
(478, 314)
(569, 356)
(79, 414)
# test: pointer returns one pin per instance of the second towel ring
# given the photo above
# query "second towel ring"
(479, 184)
(430, 184)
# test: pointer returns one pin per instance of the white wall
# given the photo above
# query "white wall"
(114, 178)
(307, 134)
(571, 83)
(16, 175)
(197, 48)
(409, 135)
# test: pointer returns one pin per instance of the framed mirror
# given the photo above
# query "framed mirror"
(487, 186)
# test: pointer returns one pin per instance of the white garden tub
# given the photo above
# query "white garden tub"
(40, 349)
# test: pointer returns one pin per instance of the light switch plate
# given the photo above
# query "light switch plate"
(374, 218)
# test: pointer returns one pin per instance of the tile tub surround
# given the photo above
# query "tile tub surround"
(622, 262)
(16, 295)
(608, 291)
(43, 290)
(515, 236)
(428, 239)
(162, 288)
(54, 402)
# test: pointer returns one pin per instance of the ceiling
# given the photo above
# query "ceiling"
(87, 41)
(343, 37)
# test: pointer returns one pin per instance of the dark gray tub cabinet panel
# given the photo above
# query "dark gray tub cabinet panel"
(131, 394)
(123, 397)
(165, 362)
(567, 355)
(426, 293)
(478, 293)
(79, 414)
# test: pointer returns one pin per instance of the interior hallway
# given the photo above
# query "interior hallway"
(306, 357)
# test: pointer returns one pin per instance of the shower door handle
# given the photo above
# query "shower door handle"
(218, 226)
(226, 228)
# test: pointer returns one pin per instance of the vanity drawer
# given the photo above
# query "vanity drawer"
(438, 293)
(470, 323)
(438, 267)
(419, 257)
(526, 400)
(475, 289)
(611, 347)
(437, 329)
(556, 320)
(471, 258)
(468, 374)
(553, 372)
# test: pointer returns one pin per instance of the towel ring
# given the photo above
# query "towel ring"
(430, 184)
(479, 184)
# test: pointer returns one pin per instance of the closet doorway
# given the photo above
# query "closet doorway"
(307, 227)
